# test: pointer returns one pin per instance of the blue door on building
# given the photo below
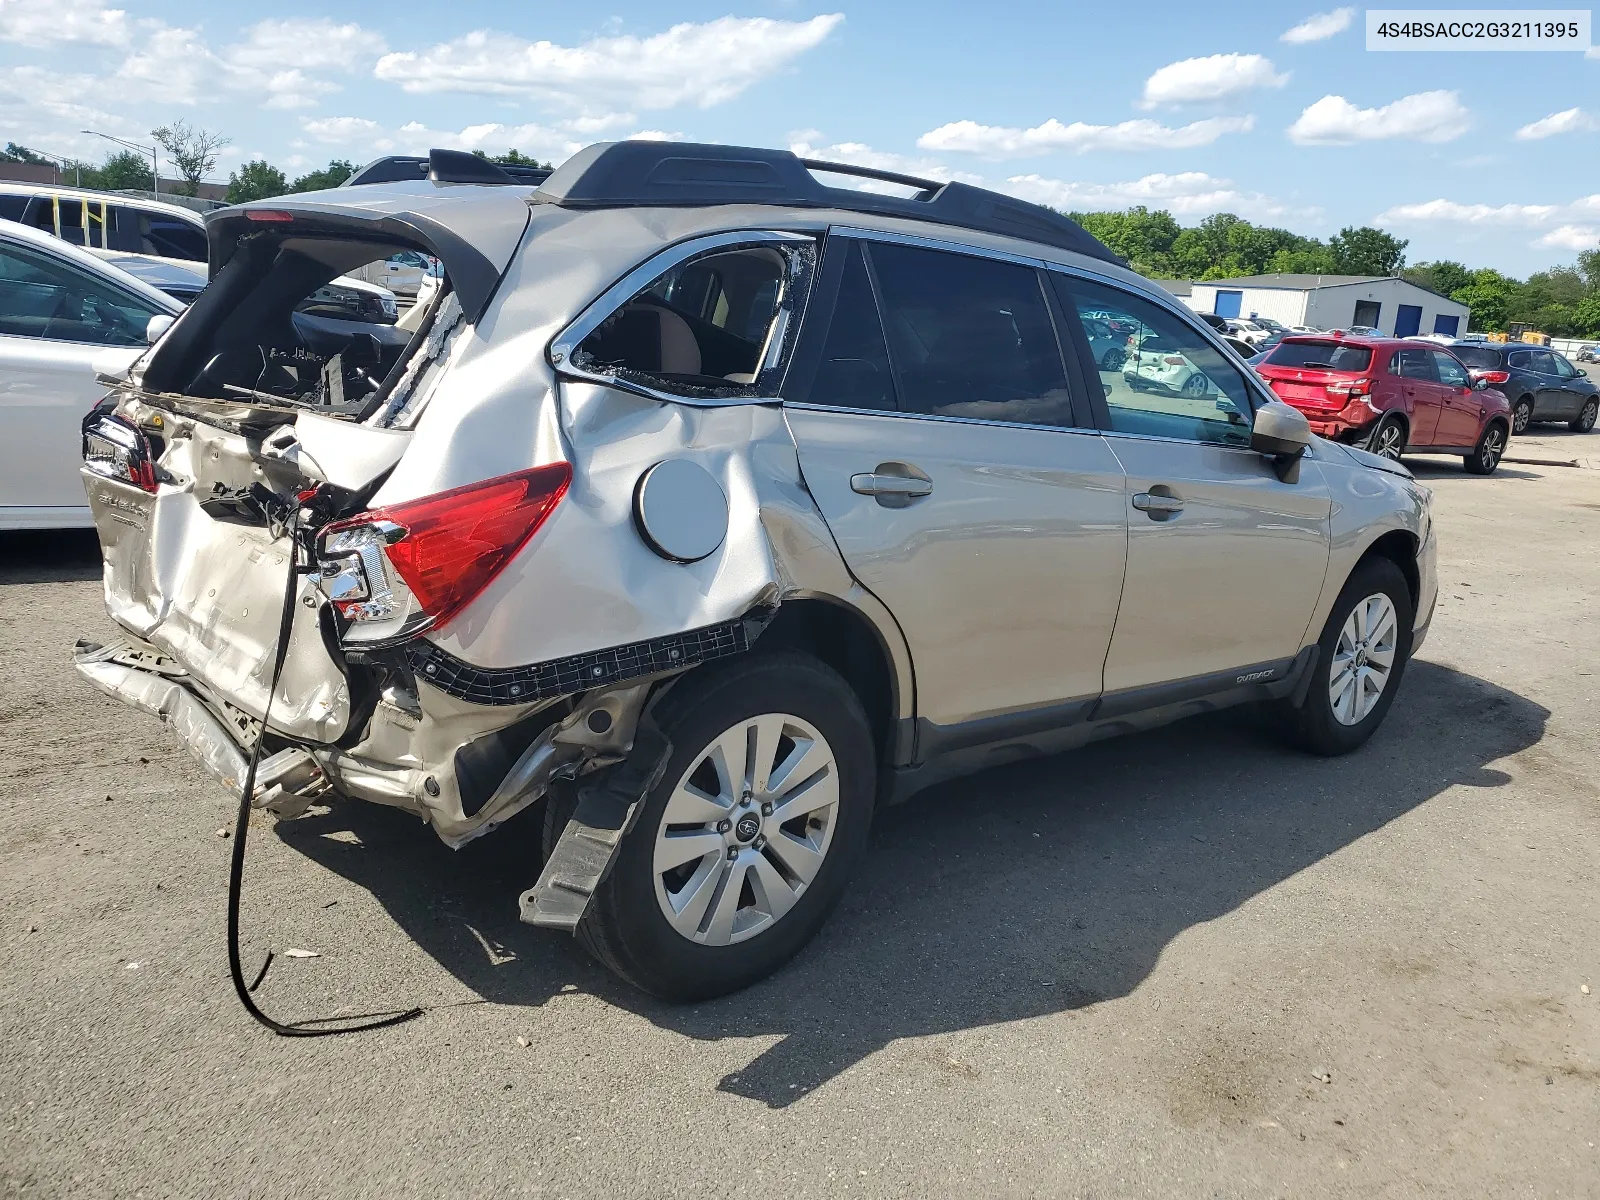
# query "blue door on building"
(1449, 326)
(1408, 320)
(1228, 303)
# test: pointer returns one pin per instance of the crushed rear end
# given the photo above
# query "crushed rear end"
(1330, 381)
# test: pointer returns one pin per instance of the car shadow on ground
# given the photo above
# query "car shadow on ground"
(49, 556)
(1031, 889)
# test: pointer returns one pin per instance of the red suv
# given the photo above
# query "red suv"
(1388, 396)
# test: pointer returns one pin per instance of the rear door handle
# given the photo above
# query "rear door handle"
(1157, 505)
(886, 486)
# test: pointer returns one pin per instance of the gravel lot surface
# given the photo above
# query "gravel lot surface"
(1185, 963)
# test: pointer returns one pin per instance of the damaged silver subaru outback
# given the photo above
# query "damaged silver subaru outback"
(708, 505)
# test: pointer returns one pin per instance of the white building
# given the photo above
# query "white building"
(1399, 308)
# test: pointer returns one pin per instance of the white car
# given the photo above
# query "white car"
(1160, 367)
(1248, 331)
(401, 273)
(106, 221)
(65, 318)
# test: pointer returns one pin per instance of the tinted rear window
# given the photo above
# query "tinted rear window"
(1320, 356)
(1479, 358)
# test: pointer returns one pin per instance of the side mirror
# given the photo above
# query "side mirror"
(1282, 433)
(158, 325)
(1479, 381)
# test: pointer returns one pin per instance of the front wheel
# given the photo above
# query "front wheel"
(1585, 419)
(1361, 657)
(1112, 359)
(1196, 386)
(1522, 416)
(741, 850)
(1485, 456)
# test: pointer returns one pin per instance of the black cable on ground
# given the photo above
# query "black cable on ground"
(241, 830)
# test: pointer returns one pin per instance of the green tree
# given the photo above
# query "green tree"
(256, 180)
(1589, 268)
(1443, 276)
(1586, 316)
(126, 170)
(192, 151)
(331, 176)
(1489, 296)
(21, 154)
(1367, 251)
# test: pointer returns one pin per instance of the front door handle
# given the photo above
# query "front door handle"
(1157, 506)
(891, 487)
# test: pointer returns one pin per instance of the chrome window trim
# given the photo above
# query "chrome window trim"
(931, 243)
(619, 293)
(813, 406)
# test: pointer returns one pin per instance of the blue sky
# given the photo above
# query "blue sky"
(1276, 113)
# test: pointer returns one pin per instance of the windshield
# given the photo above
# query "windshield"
(1479, 358)
(1321, 356)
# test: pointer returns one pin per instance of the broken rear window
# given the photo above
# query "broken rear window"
(285, 321)
(713, 325)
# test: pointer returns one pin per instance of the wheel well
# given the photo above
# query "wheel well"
(847, 642)
(1400, 548)
(1523, 397)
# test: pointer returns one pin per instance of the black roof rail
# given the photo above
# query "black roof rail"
(446, 166)
(654, 174)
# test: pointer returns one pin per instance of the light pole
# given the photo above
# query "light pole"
(155, 167)
(61, 162)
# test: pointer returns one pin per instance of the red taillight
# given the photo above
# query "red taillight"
(1351, 388)
(1173, 360)
(450, 546)
(267, 214)
(1493, 376)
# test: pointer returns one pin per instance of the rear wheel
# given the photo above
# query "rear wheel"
(747, 842)
(1522, 415)
(1361, 657)
(1485, 456)
(1197, 385)
(1112, 359)
(1585, 419)
(1388, 438)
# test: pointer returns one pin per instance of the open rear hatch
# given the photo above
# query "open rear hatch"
(245, 413)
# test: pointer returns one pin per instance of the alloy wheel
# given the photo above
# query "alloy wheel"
(1587, 417)
(1363, 659)
(1522, 417)
(1493, 446)
(1389, 442)
(1196, 385)
(746, 829)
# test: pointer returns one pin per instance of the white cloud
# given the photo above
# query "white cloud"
(1323, 25)
(1185, 193)
(1425, 117)
(1572, 237)
(280, 64)
(307, 44)
(700, 64)
(1212, 78)
(1000, 141)
(341, 130)
(1571, 120)
(55, 22)
(361, 136)
(1575, 226)
(1470, 214)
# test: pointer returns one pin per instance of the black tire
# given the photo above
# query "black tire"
(625, 929)
(1522, 415)
(1388, 438)
(1584, 421)
(1485, 456)
(1112, 359)
(1312, 726)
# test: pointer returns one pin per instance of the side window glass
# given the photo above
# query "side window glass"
(970, 337)
(13, 207)
(128, 231)
(1451, 373)
(854, 371)
(1161, 377)
(1519, 362)
(1414, 364)
(173, 237)
(42, 298)
(717, 324)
